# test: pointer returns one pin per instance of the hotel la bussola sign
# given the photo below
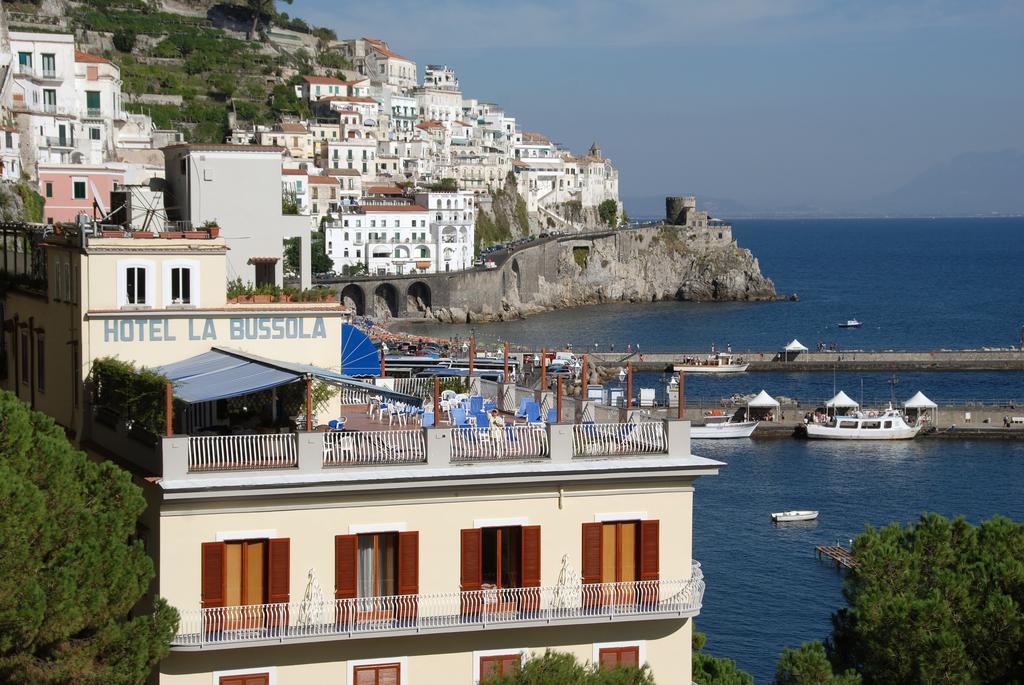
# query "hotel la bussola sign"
(238, 328)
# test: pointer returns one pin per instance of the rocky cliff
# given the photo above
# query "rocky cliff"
(638, 265)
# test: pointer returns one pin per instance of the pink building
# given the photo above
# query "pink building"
(71, 189)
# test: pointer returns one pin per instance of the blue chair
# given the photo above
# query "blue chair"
(459, 418)
(427, 420)
(338, 424)
(482, 421)
(523, 405)
(489, 405)
(552, 415)
(533, 413)
(476, 403)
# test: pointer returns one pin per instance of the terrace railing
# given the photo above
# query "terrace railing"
(512, 442)
(603, 439)
(439, 612)
(374, 447)
(242, 452)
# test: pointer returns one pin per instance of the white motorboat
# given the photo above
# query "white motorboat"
(787, 516)
(722, 426)
(720, 362)
(886, 425)
(710, 431)
(850, 323)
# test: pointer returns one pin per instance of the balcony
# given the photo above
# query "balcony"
(93, 113)
(58, 141)
(317, 618)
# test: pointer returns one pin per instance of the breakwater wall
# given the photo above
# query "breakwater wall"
(938, 360)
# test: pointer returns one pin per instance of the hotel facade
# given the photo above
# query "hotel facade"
(380, 554)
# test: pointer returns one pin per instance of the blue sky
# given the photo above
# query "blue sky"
(769, 103)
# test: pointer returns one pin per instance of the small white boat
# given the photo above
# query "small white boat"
(722, 426)
(850, 323)
(886, 425)
(720, 362)
(786, 516)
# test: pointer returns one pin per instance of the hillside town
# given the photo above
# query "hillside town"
(389, 171)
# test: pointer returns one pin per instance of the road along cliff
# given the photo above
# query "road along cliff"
(647, 264)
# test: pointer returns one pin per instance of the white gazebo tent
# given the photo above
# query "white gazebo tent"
(795, 347)
(841, 401)
(765, 406)
(919, 403)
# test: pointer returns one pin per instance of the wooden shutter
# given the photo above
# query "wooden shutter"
(531, 556)
(409, 563)
(649, 550)
(591, 565)
(278, 565)
(346, 550)
(214, 582)
(471, 576)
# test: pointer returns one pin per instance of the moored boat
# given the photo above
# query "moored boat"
(719, 362)
(787, 516)
(723, 429)
(851, 323)
(886, 425)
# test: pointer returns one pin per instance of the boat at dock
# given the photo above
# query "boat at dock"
(851, 323)
(886, 425)
(788, 516)
(721, 426)
(719, 362)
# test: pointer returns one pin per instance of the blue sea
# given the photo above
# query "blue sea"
(917, 285)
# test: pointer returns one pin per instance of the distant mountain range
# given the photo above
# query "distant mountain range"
(970, 184)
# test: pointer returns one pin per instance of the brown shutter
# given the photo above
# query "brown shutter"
(649, 550)
(531, 556)
(214, 583)
(472, 551)
(345, 553)
(278, 565)
(591, 564)
(409, 563)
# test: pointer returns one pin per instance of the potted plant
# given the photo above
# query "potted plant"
(265, 294)
(289, 295)
(239, 292)
(211, 227)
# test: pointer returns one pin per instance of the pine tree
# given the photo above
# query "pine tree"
(71, 570)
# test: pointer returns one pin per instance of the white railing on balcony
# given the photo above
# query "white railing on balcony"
(374, 447)
(230, 452)
(601, 439)
(516, 607)
(512, 442)
(421, 387)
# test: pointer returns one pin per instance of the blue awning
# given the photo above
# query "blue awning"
(359, 356)
(225, 372)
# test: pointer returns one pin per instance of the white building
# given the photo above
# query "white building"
(439, 97)
(452, 227)
(10, 156)
(295, 184)
(356, 153)
(385, 239)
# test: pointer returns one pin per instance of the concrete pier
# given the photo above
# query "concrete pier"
(854, 360)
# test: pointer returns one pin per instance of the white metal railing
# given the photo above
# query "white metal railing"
(229, 452)
(516, 607)
(374, 447)
(508, 442)
(421, 387)
(597, 439)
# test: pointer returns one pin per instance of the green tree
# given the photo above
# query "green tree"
(941, 601)
(72, 570)
(713, 670)
(561, 668)
(609, 212)
(445, 185)
(124, 40)
(259, 8)
(809, 665)
(319, 261)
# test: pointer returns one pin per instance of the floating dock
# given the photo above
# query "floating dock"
(837, 553)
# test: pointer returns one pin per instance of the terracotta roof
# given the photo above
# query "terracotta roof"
(343, 172)
(292, 128)
(385, 190)
(12, 129)
(379, 45)
(294, 172)
(349, 98)
(324, 81)
(223, 147)
(393, 208)
(263, 260)
(86, 57)
(430, 124)
(462, 123)
(534, 137)
(325, 180)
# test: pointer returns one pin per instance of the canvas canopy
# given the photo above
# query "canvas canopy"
(920, 401)
(225, 372)
(841, 400)
(763, 400)
(795, 346)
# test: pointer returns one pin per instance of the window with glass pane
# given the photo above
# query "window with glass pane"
(49, 65)
(92, 99)
(25, 59)
(181, 285)
(135, 285)
(78, 190)
(378, 556)
(49, 96)
(502, 551)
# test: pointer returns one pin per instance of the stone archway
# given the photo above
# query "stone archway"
(417, 298)
(385, 301)
(353, 297)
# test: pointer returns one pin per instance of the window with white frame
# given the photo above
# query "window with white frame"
(181, 285)
(135, 285)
